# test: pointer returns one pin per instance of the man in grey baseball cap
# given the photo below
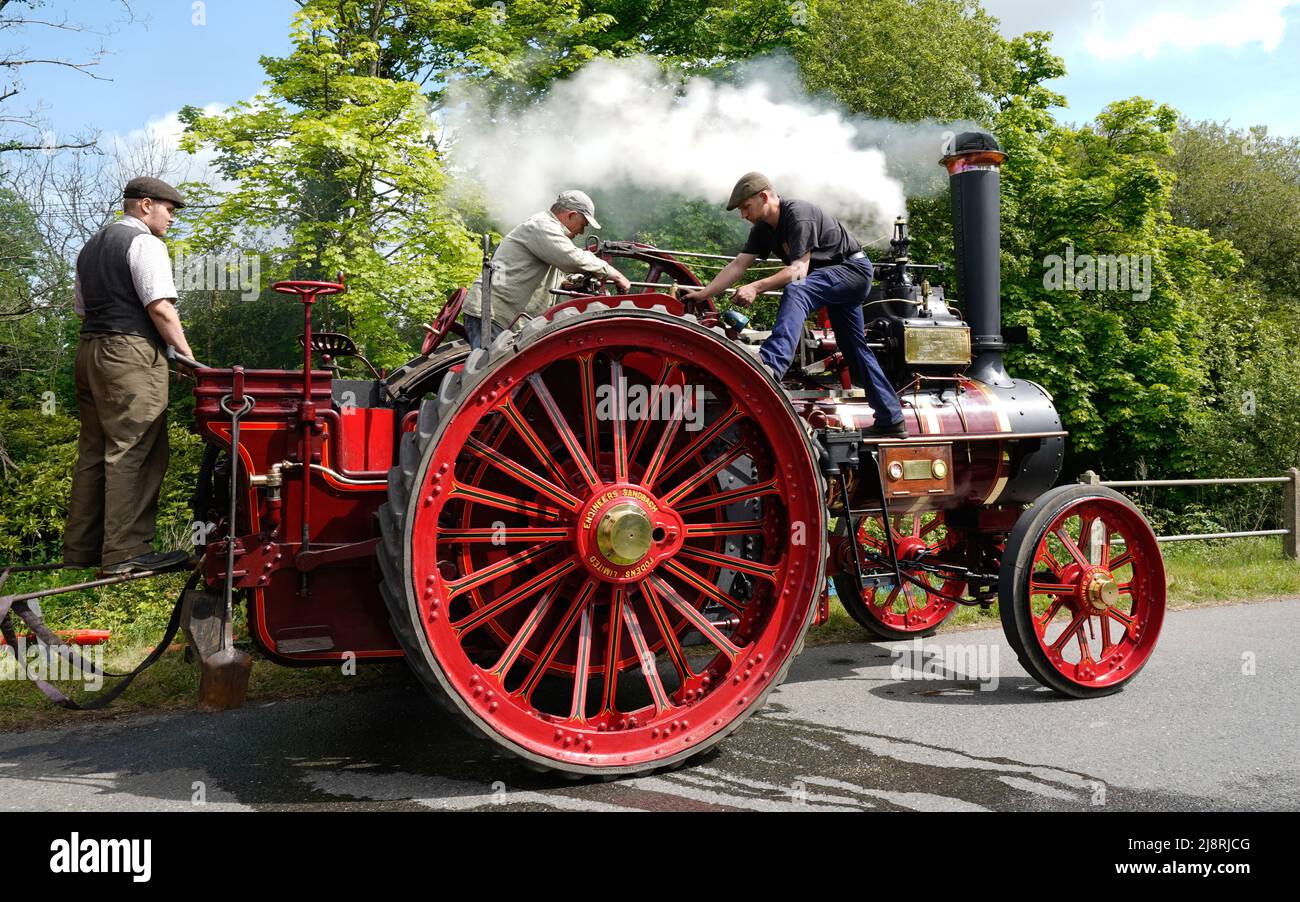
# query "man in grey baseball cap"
(531, 260)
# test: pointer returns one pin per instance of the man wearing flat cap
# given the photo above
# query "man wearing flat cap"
(531, 260)
(124, 295)
(825, 266)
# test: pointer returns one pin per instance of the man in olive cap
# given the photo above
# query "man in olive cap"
(531, 260)
(124, 295)
(824, 267)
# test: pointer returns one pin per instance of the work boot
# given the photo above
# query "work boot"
(893, 430)
(154, 560)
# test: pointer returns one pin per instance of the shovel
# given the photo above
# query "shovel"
(224, 669)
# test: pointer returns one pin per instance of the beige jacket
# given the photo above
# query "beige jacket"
(533, 258)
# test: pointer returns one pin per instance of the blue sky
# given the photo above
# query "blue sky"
(1235, 60)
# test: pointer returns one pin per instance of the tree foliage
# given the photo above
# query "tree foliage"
(338, 168)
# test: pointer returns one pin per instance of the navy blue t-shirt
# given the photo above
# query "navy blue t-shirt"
(802, 228)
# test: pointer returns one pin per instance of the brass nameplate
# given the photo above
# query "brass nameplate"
(936, 346)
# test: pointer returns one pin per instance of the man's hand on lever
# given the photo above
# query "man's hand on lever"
(621, 281)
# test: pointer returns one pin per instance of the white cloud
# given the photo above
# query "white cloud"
(1114, 30)
(1240, 23)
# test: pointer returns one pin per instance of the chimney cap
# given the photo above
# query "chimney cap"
(971, 150)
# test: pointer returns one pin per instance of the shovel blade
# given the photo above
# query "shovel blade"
(223, 680)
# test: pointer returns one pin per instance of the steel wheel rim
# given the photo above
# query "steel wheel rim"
(563, 607)
(1096, 606)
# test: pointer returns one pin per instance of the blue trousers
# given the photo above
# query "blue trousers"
(841, 289)
(474, 330)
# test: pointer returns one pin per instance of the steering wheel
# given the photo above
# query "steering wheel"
(445, 322)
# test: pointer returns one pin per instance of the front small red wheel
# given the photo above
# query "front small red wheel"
(1082, 590)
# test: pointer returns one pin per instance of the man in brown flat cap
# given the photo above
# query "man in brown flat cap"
(124, 296)
(825, 266)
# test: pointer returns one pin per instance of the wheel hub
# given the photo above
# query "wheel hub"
(1100, 590)
(623, 533)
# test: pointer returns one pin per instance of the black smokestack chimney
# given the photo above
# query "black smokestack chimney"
(974, 177)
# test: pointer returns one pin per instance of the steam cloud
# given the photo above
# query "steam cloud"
(624, 122)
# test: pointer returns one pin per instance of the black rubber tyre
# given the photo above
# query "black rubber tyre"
(1014, 599)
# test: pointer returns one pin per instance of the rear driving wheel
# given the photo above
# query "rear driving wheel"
(609, 541)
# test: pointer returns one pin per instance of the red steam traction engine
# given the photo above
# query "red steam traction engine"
(600, 542)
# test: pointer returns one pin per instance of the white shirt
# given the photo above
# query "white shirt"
(531, 260)
(151, 268)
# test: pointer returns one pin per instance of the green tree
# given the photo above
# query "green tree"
(906, 59)
(1242, 186)
(335, 164)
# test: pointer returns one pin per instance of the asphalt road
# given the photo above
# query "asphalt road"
(1212, 723)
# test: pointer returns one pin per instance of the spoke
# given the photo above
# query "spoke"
(587, 380)
(1121, 617)
(1071, 547)
(543, 662)
(721, 499)
(643, 427)
(515, 417)
(619, 419)
(704, 586)
(1047, 559)
(506, 535)
(1085, 653)
(500, 568)
(699, 443)
(514, 596)
(1105, 545)
(1069, 631)
(494, 457)
(581, 666)
(1120, 562)
(675, 651)
(569, 440)
(738, 528)
(930, 527)
(730, 456)
(1051, 612)
(888, 603)
(1041, 588)
(729, 562)
(612, 646)
(647, 660)
(517, 645)
(1125, 588)
(502, 502)
(1106, 644)
(696, 619)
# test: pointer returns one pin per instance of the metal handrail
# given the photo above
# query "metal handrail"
(1291, 535)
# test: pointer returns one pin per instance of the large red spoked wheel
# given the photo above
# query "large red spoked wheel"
(885, 609)
(1082, 590)
(603, 543)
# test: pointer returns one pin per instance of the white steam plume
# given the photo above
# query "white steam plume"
(625, 122)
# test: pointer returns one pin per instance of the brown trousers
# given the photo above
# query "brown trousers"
(122, 450)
